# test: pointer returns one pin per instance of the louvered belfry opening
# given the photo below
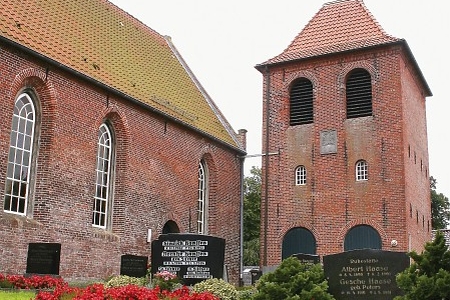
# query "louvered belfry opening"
(359, 94)
(301, 102)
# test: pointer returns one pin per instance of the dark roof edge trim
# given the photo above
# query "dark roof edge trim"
(114, 91)
(261, 67)
(202, 90)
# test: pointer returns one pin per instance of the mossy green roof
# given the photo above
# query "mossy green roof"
(101, 41)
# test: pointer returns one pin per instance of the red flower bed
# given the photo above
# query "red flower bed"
(54, 288)
(32, 282)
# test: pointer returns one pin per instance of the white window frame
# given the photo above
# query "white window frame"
(102, 196)
(362, 170)
(202, 199)
(20, 156)
(300, 175)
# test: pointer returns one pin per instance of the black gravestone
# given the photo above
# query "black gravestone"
(43, 258)
(192, 257)
(307, 258)
(134, 266)
(364, 274)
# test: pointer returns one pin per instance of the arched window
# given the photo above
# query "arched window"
(300, 175)
(298, 240)
(20, 156)
(359, 94)
(301, 102)
(362, 170)
(202, 202)
(103, 198)
(362, 237)
(170, 227)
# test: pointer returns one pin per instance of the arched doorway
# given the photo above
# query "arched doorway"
(298, 240)
(170, 227)
(362, 237)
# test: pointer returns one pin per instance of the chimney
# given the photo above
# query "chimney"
(242, 136)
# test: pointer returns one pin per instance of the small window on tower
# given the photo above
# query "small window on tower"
(300, 175)
(362, 170)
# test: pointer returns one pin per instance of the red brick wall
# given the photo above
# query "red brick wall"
(155, 176)
(332, 201)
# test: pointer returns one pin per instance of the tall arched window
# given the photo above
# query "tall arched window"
(300, 175)
(102, 198)
(202, 202)
(359, 94)
(20, 156)
(301, 102)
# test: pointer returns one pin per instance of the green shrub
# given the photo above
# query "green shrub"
(428, 278)
(293, 280)
(122, 280)
(218, 287)
(246, 292)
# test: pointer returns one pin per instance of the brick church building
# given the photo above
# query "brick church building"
(344, 124)
(107, 140)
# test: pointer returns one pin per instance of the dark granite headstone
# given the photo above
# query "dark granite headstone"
(134, 266)
(307, 258)
(193, 257)
(364, 274)
(43, 258)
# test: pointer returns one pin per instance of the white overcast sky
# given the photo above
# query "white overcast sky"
(222, 41)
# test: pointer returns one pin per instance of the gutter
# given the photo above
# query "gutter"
(113, 91)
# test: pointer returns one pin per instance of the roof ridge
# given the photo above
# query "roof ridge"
(337, 26)
(361, 2)
(202, 90)
(131, 17)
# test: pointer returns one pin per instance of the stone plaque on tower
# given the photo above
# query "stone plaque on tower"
(328, 141)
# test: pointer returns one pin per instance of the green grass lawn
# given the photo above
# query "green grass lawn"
(19, 295)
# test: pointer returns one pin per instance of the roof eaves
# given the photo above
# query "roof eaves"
(416, 66)
(114, 91)
(208, 99)
(261, 67)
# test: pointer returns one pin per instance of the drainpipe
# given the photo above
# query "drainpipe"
(241, 254)
(243, 140)
(266, 177)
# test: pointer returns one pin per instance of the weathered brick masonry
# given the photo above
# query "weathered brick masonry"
(155, 176)
(395, 200)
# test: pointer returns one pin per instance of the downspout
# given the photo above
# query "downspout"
(241, 266)
(266, 175)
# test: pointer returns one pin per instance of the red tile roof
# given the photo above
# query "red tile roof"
(338, 26)
(342, 25)
(98, 40)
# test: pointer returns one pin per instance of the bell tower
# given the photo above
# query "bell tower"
(344, 106)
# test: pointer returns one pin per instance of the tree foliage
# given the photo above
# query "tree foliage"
(252, 216)
(293, 280)
(440, 207)
(428, 277)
